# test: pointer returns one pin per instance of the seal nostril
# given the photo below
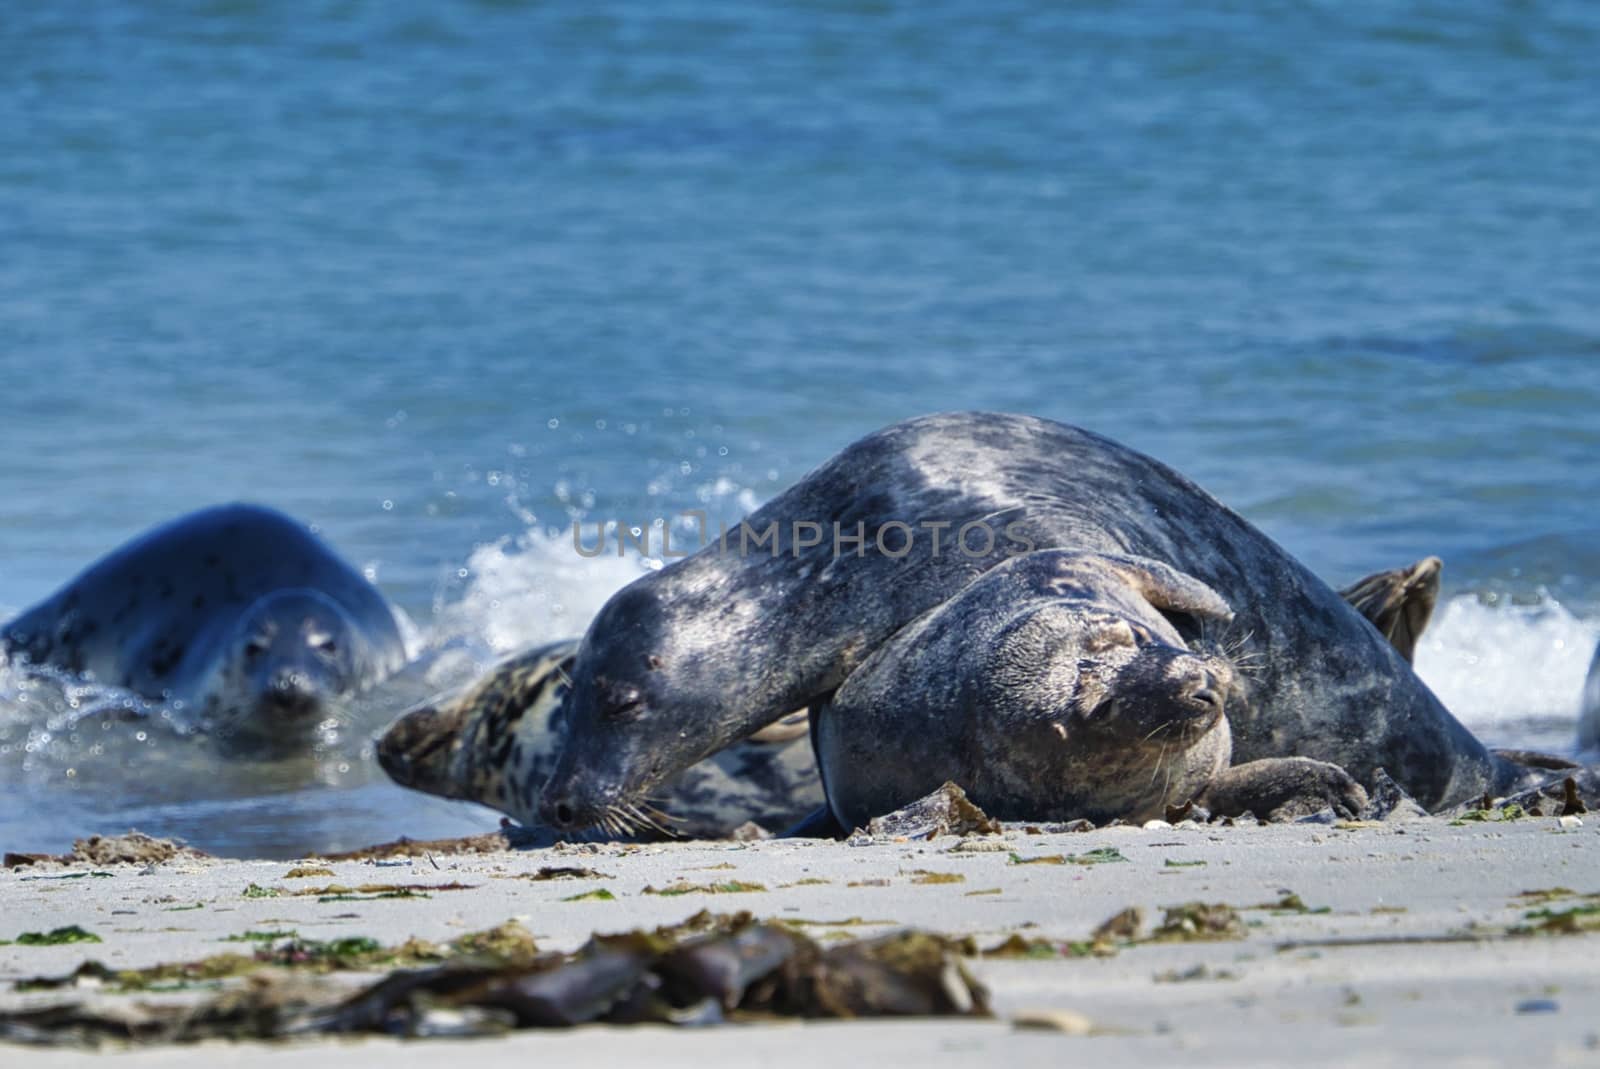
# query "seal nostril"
(563, 814)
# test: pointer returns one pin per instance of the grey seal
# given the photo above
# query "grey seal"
(494, 742)
(1589, 709)
(237, 615)
(1055, 687)
(692, 657)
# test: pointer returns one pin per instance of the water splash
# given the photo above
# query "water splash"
(1496, 662)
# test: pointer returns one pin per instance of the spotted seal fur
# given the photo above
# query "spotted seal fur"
(494, 742)
(236, 615)
(692, 657)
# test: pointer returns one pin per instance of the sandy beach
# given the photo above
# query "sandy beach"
(1418, 941)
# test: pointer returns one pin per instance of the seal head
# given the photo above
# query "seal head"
(494, 742)
(290, 655)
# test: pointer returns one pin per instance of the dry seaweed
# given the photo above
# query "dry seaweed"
(1099, 856)
(1291, 903)
(134, 848)
(492, 843)
(1575, 920)
(729, 887)
(72, 933)
(68, 876)
(507, 944)
(1198, 922)
(1108, 937)
(599, 894)
(707, 970)
(562, 872)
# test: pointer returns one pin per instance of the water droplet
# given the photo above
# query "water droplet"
(553, 424)
(388, 506)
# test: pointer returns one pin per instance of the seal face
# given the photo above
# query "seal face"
(495, 741)
(712, 647)
(236, 614)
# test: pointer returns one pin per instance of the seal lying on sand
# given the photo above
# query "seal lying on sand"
(690, 658)
(1055, 687)
(494, 742)
(237, 613)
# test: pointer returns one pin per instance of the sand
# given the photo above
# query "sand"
(1428, 970)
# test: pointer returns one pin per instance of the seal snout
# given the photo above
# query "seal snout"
(1206, 693)
(291, 691)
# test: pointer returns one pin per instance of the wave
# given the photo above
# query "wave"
(1498, 662)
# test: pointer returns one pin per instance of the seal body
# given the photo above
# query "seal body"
(1058, 686)
(495, 741)
(237, 615)
(1589, 709)
(702, 652)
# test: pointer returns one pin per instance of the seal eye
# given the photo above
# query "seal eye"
(324, 644)
(256, 647)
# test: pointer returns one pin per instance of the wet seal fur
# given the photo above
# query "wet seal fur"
(690, 658)
(495, 741)
(237, 613)
(1056, 687)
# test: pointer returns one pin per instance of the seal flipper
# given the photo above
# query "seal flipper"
(1282, 788)
(1398, 602)
(819, 824)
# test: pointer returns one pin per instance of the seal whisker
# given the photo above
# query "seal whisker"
(646, 816)
(1155, 730)
(653, 803)
(1160, 761)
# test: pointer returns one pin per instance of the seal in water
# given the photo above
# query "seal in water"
(494, 742)
(690, 658)
(236, 612)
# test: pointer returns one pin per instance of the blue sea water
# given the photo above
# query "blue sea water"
(439, 279)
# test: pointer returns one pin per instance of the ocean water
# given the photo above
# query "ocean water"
(441, 279)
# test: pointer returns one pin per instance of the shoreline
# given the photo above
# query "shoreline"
(1401, 948)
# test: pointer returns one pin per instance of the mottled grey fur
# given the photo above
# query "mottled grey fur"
(494, 742)
(1057, 686)
(688, 659)
(237, 612)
